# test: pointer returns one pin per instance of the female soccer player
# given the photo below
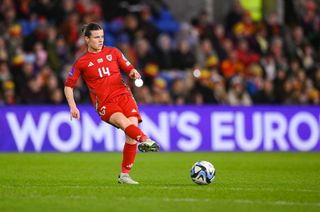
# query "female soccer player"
(100, 69)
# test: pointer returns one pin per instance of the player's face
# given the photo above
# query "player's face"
(95, 41)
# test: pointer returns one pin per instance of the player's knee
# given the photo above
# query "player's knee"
(119, 120)
(133, 120)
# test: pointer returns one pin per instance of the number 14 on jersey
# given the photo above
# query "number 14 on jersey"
(103, 71)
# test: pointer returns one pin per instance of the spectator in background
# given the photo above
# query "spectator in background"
(266, 94)
(178, 91)
(245, 56)
(9, 92)
(160, 92)
(293, 67)
(231, 66)
(190, 33)
(254, 79)
(131, 27)
(56, 95)
(3, 50)
(277, 52)
(234, 15)
(5, 74)
(297, 43)
(183, 57)
(144, 96)
(164, 54)
(22, 75)
(316, 78)
(69, 28)
(219, 91)
(217, 40)
(291, 92)
(145, 53)
(7, 86)
(34, 92)
(146, 61)
(64, 10)
(1, 98)
(59, 53)
(269, 65)
(205, 52)
(308, 59)
(202, 93)
(311, 22)
(41, 55)
(147, 24)
(237, 95)
(273, 26)
(278, 85)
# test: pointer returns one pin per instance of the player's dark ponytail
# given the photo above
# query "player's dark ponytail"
(86, 29)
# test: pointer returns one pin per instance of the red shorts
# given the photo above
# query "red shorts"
(123, 103)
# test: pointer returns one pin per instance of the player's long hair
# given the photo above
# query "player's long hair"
(86, 29)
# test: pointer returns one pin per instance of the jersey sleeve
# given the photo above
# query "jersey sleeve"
(73, 76)
(123, 62)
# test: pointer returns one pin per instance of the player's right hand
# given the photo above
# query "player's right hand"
(74, 113)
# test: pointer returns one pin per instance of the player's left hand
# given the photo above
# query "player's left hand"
(134, 74)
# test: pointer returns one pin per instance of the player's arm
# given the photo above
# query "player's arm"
(69, 85)
(126, 66)
(74, 111)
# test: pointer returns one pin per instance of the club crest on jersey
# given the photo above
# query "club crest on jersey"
(100, 60)
(109, 57)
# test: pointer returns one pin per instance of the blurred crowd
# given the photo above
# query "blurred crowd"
(236, 62)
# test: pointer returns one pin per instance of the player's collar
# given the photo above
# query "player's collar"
(96, 52)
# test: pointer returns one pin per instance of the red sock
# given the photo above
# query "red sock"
(128, 156)
(135, 133)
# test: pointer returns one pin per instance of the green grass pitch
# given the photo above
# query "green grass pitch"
(87, 182)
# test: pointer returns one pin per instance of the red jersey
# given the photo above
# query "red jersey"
(101, 73)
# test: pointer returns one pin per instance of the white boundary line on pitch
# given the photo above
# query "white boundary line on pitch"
(317, 204)
(238, 201)
(217, 201)
(154, 187)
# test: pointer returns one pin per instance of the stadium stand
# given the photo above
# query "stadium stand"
(237, 62)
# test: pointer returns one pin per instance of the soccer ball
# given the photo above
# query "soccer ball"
(202, 173)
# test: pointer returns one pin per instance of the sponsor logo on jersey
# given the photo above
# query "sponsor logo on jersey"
(90, 64)
(100, 60)
(109, 57)
(133, 111)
